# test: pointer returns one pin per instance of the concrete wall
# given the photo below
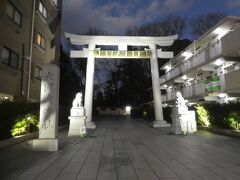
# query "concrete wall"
(232, 82)
(13, 36)
(231, 44)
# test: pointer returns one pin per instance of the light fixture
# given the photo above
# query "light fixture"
(219, 62)
(165, 105)
(191, 104)
(6, 98)
(222, 95)
(187, 54)
(165, 85)
(167, 68)
(190, 79)
(218, 31)
(184, 77)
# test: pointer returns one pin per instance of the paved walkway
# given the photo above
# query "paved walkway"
(124, 149)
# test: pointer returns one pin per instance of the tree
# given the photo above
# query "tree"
(134, 81)
(179, 45)
(70, 83)
(171, 25)
(110, 82)
(202, 23)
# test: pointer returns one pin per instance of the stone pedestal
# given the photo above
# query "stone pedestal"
(179, 121)
(77, 112)
(183, 121)
(192, 125)
(77, 126)
(90, 125)
(157, 124)
(45, 145)
(48, 121)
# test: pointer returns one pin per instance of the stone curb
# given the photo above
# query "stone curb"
(226, 132)
(19, 139)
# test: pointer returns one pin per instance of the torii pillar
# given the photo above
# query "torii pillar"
(89, 85)
(157, 101)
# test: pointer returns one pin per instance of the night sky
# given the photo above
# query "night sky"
(114, 16)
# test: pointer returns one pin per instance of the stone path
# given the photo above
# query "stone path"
(124, 149)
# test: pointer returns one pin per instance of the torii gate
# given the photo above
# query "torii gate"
(122, 42)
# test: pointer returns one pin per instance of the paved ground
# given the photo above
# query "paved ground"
(124, 149)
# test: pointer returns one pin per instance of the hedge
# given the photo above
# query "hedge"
(10, 111)
(219, 113)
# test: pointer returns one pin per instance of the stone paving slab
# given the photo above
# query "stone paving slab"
(122, 149)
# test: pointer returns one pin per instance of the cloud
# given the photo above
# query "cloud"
(115, 16)
(233, 4)
(176, 5)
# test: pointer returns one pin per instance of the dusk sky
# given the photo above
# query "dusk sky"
(114, 16)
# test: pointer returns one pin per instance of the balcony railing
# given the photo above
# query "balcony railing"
(205, 56)
(216, 84)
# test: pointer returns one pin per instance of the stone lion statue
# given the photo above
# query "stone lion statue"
(77, 102)
(179, 99)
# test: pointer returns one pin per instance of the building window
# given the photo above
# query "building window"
(10, 58)
(38, 72)
(41, 41)
(42, 9)
(14, 13)
(55, 2)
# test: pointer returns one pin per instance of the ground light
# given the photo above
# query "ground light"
(128, 110)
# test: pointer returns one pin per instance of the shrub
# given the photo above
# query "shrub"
(10, 111)
(25, 124)
(233, 120)
(203, 116)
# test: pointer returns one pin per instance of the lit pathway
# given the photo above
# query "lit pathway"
(123, 149)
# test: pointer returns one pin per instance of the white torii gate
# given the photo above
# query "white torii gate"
(122, 42)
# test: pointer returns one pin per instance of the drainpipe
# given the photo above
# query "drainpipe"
(30, 50)
(22, 73)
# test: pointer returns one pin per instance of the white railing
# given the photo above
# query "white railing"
(170, 96)
(202, 57)
(199, 89)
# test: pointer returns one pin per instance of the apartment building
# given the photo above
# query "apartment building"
(208, 69)
(29, 37)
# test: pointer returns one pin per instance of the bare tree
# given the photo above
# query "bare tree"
(202, 23)
(171, 25)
